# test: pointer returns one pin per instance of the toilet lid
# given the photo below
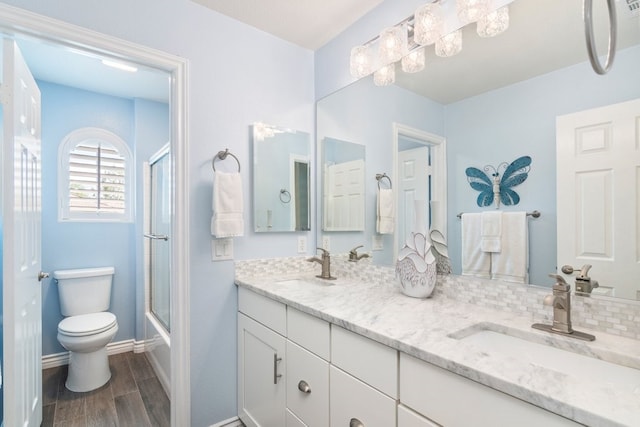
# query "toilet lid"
(87, 324)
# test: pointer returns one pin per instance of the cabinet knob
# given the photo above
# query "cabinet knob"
(304, 387)
(355, 423)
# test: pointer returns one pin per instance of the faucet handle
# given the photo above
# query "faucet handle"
(324, 251)
(354, 251)
(561, 284)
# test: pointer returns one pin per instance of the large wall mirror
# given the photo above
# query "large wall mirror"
(531, 74)
(281, 173)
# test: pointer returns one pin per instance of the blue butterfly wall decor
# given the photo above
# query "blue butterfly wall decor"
(499, 189)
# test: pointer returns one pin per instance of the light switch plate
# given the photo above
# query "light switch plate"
(222, 249)
(302, 244)
(326, 243)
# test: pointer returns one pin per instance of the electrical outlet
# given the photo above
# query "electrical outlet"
(377, 242)
(302, 244)
(221, 249)
(326, 243)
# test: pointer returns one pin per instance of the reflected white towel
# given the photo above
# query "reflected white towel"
(475, 262)
(386, 210)
(491, 231)
(227, 205)
(512, 263)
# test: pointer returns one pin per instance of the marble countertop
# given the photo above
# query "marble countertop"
(425, 328)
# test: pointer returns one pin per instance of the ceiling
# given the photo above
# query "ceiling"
(536, 43)
(307, 23)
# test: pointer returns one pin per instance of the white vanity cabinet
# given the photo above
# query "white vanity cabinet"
(451, 400)
(297, 370)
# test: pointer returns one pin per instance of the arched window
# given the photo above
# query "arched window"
(95, 177)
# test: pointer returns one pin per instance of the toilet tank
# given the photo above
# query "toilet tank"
(84, 290)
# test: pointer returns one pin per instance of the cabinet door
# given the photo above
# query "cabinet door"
(355, 404)
(261, 369)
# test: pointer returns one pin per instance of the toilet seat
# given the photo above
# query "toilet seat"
(87, 324)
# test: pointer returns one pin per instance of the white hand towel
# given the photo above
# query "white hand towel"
(386, 211)
(491, 231)
(227, 204)
(475, 262)
(512, 263)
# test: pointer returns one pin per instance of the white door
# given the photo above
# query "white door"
(261, 375)
(21, 263)
(344, 196)
(413, 184)
(598, 184)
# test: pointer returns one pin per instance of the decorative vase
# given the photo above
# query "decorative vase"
(416, 267)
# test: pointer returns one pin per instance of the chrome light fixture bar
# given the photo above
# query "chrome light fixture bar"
(438, 22)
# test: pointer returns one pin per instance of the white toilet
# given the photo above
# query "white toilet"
(85, 295)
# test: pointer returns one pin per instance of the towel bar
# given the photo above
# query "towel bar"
(222, 155)
(381, 176)
(535, 214)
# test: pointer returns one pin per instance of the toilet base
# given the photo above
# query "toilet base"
(88, 371)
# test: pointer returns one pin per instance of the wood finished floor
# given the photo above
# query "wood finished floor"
(132, 397)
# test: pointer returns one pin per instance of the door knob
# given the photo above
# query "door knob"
(42, 275)
(356, 423)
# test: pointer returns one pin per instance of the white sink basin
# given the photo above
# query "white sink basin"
(546, 355)
(306, 282)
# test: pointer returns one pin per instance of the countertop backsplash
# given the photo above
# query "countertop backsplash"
(609, 315)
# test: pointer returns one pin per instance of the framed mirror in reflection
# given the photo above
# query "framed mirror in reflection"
(512, 114)
(281, 171)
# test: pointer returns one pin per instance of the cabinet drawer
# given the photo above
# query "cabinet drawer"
(270, 313)
(307, 369)
(353, 399)
(372, 362)
(408, 418)
(309, 332)
(439, 395)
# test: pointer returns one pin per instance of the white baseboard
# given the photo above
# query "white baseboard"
(61, 359)
(231, 422)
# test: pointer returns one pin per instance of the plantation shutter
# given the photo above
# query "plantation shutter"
(97, 178)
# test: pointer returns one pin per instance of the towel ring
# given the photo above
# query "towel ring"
(285, 196)
(380, 176)
(222, 155)
(587, 9)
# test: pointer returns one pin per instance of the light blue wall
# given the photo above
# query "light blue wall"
(237, 75)
(68, 245)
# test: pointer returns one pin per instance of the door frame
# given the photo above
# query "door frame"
(16, 21)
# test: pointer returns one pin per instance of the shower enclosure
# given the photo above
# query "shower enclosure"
(157, 255)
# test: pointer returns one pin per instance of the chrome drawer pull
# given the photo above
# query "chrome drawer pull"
(276, 375)
(355, 423)
(304, 387)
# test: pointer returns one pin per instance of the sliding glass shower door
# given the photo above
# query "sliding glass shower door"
(160, 229)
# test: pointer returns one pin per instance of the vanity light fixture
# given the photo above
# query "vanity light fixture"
(119, 65)
(438, 22)
(494, 23)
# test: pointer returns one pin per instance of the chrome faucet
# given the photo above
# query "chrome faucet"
(560, 300)
(325, 262)
(353, 254)
(584, 283)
